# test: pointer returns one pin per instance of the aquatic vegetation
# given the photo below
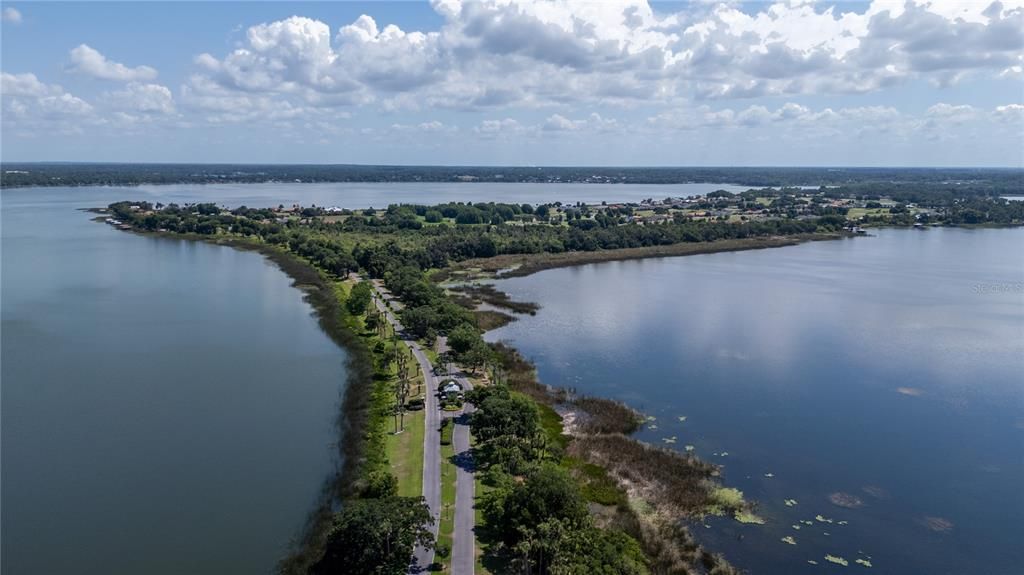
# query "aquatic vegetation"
(682, 418)
(606, 416)
(846, 500)
(806, 522)
(843, 523)
(652, 427)
(822, 519)
(668, 479)
(837, 560)
(669, 439)
(937, 524)
(789, 539)
(748, 517)
(651, 418)
(911, 391)
(812, 561)
(790, 502)
(724, 453)
(863, 562)
(728, 497)
(797, 527)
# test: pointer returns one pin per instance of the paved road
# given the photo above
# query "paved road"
(463, 538)
(463, 557)
(422, 558)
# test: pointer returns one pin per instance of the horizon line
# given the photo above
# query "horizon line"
(515, 166)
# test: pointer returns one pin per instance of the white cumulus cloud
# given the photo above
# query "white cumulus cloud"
(91, 62)
(529, 53)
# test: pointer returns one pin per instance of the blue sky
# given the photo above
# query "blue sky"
(524, 82)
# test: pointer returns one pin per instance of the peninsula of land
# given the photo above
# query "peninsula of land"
(453, 452)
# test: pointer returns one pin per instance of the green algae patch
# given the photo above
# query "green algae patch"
(748, 518)
(790, 502)
(789, 539)
(728, 498)
(837, 560)
(863, 562)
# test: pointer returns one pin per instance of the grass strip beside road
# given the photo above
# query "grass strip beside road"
(405, 455)
(447, 524)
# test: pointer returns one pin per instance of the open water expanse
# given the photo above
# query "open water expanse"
(887, 368)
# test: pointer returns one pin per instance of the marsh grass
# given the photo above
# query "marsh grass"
(488, 319)
(519, 265)
(675, 483)
(606, 416)
(487, 293)
(643, 490)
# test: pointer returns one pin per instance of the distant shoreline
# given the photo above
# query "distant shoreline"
(1006, 180)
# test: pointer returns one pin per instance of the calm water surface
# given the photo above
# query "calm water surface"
(168, 406)
(887, 367)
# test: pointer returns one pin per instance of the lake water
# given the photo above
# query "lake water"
(168, 406)
(887, 368)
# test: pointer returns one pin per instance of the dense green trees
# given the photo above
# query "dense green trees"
(545, 523)
(395, 246)
(376, 536)
(501, 412)
(463, 338)
(359, 298)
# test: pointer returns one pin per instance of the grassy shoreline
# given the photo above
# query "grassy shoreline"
(520, 265)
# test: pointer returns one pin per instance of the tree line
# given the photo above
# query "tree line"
(21, 174)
